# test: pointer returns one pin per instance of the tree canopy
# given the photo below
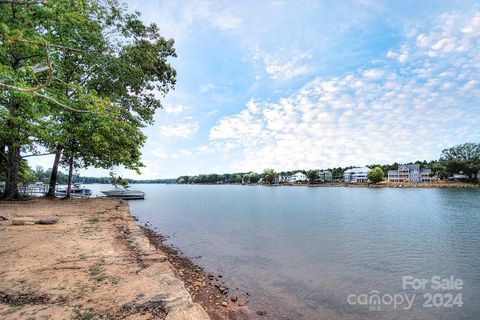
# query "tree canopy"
(269, 175)
(463, 158)
(313, 175)
(79, 78)
(375, 175)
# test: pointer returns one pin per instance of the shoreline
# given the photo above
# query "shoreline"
(87, 259)
(107, 265)
(206, 288)
(404, 185)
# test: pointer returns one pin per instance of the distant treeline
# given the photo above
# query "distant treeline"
(41, 175)
(253, 177)
(108, 180)
(464, 158)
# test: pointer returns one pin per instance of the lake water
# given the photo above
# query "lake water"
(310, 253)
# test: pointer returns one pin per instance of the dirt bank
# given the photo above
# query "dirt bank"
(94, 263)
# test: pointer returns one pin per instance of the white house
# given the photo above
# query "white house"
(355, 175)
(297, 177)
(409, 173)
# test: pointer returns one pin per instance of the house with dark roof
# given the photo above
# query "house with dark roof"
(409, 173)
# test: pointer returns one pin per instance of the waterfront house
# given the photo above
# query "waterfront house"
(410, 173)
(297, 177)
(355, 175)
(279, 178)
(459, 177)
(324, 176)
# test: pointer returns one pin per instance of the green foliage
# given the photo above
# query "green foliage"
(251, 177)
(117, 180)
(375, 175)
(26, 174)
(462, 158)
(313, 176)
(83, 79)
(269, 175)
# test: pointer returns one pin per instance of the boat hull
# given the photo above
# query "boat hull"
(125, 195)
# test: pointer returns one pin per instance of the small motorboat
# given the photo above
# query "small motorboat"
(77, 191)
(124, 194)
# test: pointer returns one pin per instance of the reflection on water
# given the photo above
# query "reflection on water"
(305, 250)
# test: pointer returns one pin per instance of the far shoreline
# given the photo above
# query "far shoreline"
(406, 185)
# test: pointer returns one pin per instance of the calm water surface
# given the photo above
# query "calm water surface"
(300, 252)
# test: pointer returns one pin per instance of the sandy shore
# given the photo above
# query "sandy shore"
(96, 263)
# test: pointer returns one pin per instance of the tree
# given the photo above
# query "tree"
(464, 157)
(251, 177)
(19, 111)
(88, 60)
(269, 176)
(375, 175)
(312, 176)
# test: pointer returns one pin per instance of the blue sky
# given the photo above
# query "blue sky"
(312, 84)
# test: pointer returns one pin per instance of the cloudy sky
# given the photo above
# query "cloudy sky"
(312, 84)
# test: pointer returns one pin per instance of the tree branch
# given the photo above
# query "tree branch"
(6, 158)
(37, 154)
(42, 43)
(28, 90)
(23, 1)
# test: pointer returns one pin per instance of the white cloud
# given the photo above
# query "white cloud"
(284, 65)
(175, 109)
(205, 149)
(182, 130)
(394, 112)
(401, 55)
(159, 153)
(373, 73)
(207, 87)
(183, 153)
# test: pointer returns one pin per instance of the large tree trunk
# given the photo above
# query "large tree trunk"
(13, 155)
(2, 160)
(53, 175)
(13, 167)
(70, 173)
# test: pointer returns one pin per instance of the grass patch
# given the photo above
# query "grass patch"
(96, 271)
(18, 300)
(89, 315)
(94, 220)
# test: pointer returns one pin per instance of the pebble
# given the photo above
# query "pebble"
(242, 302)
(234, 298)
(225, 303)
(261, 313)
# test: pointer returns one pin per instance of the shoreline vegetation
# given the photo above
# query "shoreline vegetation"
(460, 161)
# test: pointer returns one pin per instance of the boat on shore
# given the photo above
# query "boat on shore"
(77, 191)
(124, 194)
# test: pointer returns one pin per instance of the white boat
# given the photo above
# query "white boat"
(124, 194)
(77, 191)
